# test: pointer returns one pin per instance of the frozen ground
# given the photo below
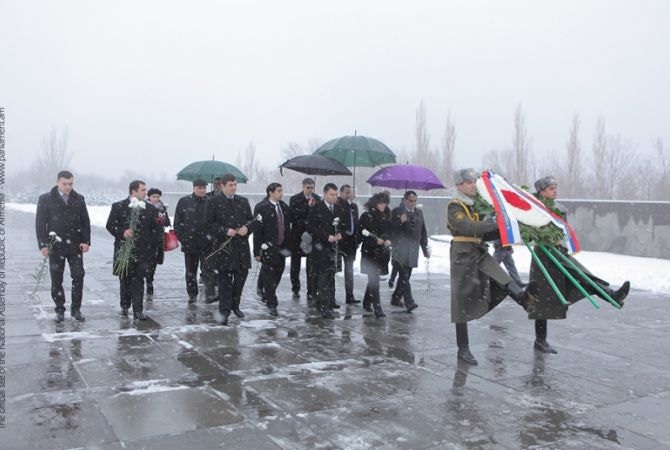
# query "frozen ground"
(179, 380)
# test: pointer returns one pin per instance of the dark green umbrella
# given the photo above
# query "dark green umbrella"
(357, 151)
(208, 170)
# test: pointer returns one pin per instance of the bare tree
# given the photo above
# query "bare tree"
(54, 155)
(520, 148)
(599, 152)
(571, 186)
(618, 159)
(422, 136)
(448, 149)
(501, 161)
(662, 185)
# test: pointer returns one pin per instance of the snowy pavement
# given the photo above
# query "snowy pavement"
(179, 380)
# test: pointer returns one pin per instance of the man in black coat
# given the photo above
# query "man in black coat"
(299, 205)
(145, 235)
(350, 239)
(228, 221)
(63, 211)
(325, 223)
(272, 236)
(190, 225)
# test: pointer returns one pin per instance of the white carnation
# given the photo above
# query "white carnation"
(259, 218)
(365, 232)
(419, 206)
(265, 246)
(52, 233)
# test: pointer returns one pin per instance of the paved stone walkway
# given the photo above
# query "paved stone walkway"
(181, 381)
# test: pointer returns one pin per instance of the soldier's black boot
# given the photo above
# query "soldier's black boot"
(521, 295)
(619, 295)
(464, 344)
(541, 343)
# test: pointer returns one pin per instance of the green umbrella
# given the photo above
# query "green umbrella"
(208, 170)
(357, 151)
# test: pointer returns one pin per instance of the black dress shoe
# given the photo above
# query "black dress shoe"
(411, 307)
(353, 301)
(543, 346)
(390, 284)
(327, 314)
(139, 316)
(335, 306)
(397, 302)
(296, 294)
(209, 300)
(465, 356)
(273, 311)
(124, 312)
(60, 316)
(238, 313)
(78, 315)
(192, 298)
(367, 307)
(379, 313)
(224, 319)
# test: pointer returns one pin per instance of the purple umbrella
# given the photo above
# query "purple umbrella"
(406, 177)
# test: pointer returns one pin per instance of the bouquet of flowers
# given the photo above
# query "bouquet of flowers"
(394, 257)
(336, 255)
(224, 246)
(41, 270)
(124, 256)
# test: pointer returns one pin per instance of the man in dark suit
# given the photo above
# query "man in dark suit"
(190, 225)
(63, 211)
(146, 236)
(228, 221)
(349, 243)
(325, 223)
(299, 206)
(408, 230)
(272, 242)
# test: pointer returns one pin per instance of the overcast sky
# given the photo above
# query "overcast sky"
(163, 83)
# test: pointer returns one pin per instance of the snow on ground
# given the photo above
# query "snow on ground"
(651, 274)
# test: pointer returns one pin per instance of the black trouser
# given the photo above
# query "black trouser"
(372, 290)
(504, 255)
(325, 289)
(191, 262)
(394, 271)
(231, 284)
(131, 291)
(403, 289)
(541, 329)
(295, 273)
(349, 275)
(151, 272)
(462, 339)
(271, 273)
(56, 270)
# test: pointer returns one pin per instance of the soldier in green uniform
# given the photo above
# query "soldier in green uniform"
(547, 305)
(478, 283)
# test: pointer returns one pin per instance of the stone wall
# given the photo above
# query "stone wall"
(628, 228)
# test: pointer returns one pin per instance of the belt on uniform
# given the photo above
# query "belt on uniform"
(467, 239)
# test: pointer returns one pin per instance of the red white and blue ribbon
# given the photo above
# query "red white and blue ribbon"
(513, 205)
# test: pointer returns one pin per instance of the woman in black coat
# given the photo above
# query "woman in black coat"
(163, 220)
(375, 231)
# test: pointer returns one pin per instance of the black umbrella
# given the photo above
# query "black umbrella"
(315, 165)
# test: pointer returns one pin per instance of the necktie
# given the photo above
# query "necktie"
(280, 225)
(66, 198)
(351, 217)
